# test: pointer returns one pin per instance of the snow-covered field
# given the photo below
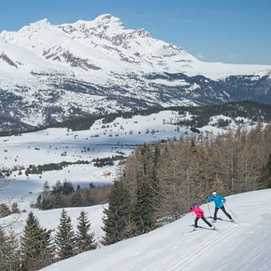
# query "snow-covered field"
(233, 247)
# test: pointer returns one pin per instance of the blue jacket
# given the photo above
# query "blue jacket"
(218, 200)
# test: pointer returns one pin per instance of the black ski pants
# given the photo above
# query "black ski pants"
(224, 211)
(204, 219)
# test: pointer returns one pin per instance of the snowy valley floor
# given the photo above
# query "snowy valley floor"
(56, 145)
(233, 247)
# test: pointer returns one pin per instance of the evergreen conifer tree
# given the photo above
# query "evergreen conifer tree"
(4, 210)
(147, 192)
(36, 245)
(144, 214)
(65, 237)
(85, 239)
(118, 215)
(9, 252)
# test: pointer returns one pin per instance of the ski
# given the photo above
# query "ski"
(225, 220)
(202, 228)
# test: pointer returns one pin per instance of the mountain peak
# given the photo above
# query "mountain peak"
(40, 23)
(107, 19)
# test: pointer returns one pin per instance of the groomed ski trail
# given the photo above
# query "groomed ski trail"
(236, 247)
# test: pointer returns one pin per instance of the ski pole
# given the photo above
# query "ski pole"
(209, 210)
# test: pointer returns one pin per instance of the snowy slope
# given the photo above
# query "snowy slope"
(49, 73)
(236, 247)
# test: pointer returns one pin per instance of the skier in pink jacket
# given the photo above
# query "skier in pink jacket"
(199, 215)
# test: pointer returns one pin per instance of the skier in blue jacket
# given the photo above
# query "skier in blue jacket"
(219, 201)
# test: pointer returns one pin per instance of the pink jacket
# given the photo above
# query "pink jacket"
(197, 211)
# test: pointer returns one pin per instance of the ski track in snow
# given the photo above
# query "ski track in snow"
(234, 247)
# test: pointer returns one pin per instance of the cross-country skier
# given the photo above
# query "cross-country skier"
(199, 215)
(219, 201)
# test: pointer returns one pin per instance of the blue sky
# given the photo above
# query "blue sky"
(235, 31)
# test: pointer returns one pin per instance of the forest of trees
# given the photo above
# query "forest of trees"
(161, 181)
(38, 248)
(63, 195)
(5, 210)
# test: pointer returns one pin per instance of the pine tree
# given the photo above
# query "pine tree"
(85, 240)
(4, 210)
(65, 237)
(144, 215)
(36, 245)
(118, 215)
(147, 192)
(9, 252)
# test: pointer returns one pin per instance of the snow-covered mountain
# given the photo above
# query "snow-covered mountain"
(175, 247)
(51, 72)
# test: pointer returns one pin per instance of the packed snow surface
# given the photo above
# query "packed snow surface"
(174, 247)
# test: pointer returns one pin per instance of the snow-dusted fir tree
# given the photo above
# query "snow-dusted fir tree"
(65, 237)
(4, 210)
(85, 238)
(36, 245)
(147, 190)
(9, 252)
(118, 214)
(144, 211)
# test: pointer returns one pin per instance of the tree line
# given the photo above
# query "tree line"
(5, 210)
(160, 182)
(63, 195)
